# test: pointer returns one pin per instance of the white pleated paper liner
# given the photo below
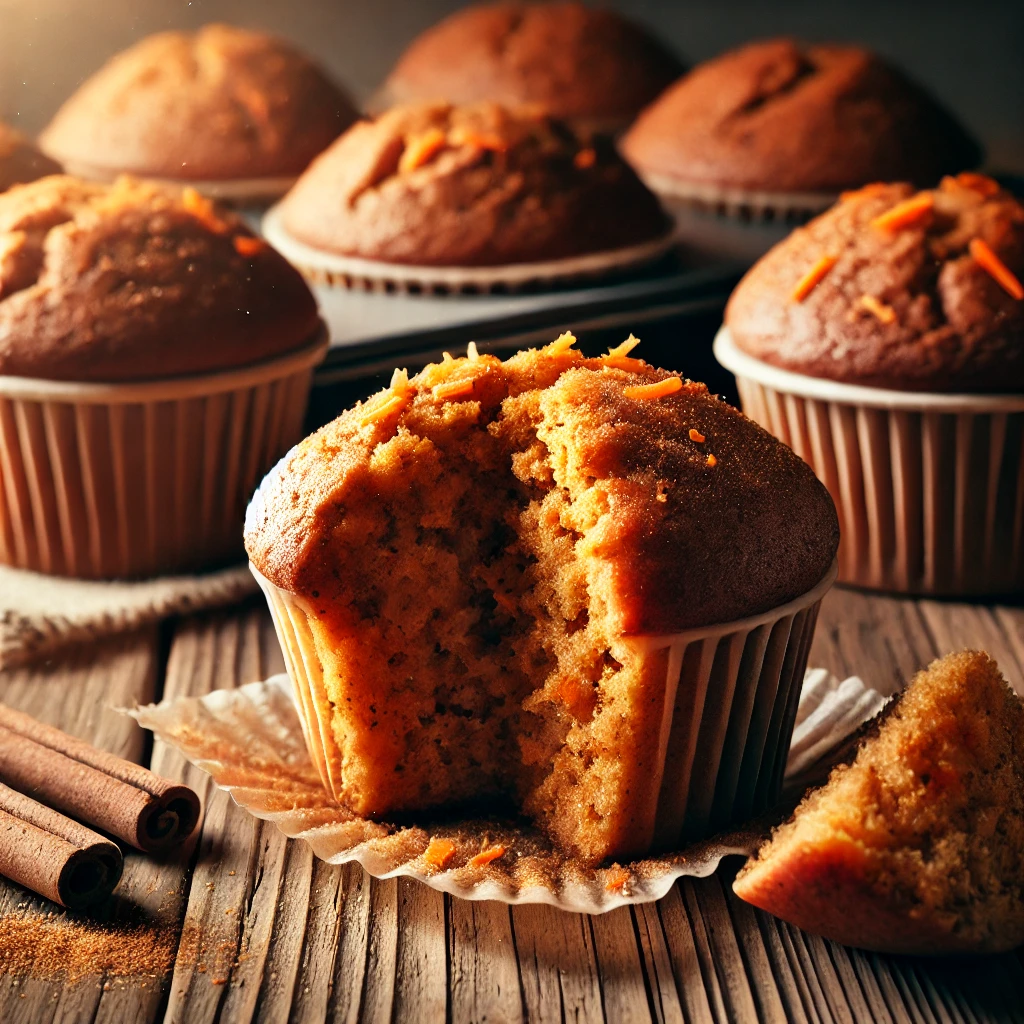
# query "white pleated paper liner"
(142, 479)
(353, 272)
(929, 487)
(738, 203)
(233, 191)
(251, 741)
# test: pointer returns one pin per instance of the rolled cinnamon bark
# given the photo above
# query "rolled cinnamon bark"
(53, 855)
(121, 798)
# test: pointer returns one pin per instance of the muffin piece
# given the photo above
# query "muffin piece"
(437, 185)
(918, 845)
(782, 116)
(219, 104)
(20, 161)
(578, 63)
(477, 549)
(134, 281)
(892, 288)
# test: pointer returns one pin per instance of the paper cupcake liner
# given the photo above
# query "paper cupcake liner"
(140, 479)
(356, 273)
(737, 203)
(929, 487)
(235, 192)
(251, 742)
(721, 757)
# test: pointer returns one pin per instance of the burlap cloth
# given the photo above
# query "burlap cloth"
(40, 615)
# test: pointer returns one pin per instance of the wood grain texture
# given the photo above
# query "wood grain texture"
(269, 934)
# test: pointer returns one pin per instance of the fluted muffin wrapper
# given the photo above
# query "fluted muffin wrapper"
(359, 274)
(738, 203)
(730, 703)
(929, 487)
(130, 480)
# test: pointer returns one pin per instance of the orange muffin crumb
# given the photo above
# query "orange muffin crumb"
(917, 846)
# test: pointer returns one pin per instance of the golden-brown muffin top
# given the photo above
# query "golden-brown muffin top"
(133, 281)
(694, 515)
(20, 160)
(783, 116)
(434, 184)
(896, 288)
(221, 103)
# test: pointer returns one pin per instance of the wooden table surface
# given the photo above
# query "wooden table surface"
(260, 931)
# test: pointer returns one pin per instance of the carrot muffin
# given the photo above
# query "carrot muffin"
(437, 185)
(135, 281)
(918, 845)
(580, 63)
(219, 104)
(477, 550)
(785, 117)
(897, 289)
(20, 161)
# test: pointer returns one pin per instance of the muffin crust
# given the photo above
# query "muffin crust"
(579, 63)
(437, 185)
(136, 281)
(218, 104)
(908, 296)
(781, 116)
(20, 161)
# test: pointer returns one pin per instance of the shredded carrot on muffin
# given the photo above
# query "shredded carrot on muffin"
(712, 461)
(874, 189)
(452, 389)
(439, 853)
(486, 856)
(247, 245)
(980, 183)
(562, 343)
(813, 278)
(619, 356)
(202, 209)
(585, 158)
(659, 389)
(905, 214)
(696, 435)
(996, 268)
(878, 309)
(420, 149)
(462, 136)
(391, 400)
(617, 879)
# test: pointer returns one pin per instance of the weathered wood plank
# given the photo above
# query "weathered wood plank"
(657, 961)
(484, 978)
(623, 992)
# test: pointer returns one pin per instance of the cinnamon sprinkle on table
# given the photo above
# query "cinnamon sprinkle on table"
(996, 268)
(813, 277)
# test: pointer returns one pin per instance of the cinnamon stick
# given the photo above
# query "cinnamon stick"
(53, 855)
(114, 795)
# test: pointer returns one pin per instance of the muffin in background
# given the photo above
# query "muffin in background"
(585, 64)
(20, 160)
(155, 359)
(884, 341)
(434, 185)
(522, 578)
(779, 128)
(216, 106)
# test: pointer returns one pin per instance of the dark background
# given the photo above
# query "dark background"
(969, 52)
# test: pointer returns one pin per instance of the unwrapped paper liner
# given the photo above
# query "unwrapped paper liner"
(250, 740)
(40, 615)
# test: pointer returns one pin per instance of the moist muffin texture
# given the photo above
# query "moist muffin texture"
(20, 161)
(136, 281)
(476, 547)
(579, 63)
(911, 301)
(437, 185)
(218, 104)
(782, 116)
(918, 845)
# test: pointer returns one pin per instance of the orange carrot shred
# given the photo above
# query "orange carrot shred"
(481, 140)
(874, 189)
(247, 245)
(452, 389)
(585, 158)
(980, 183)
(384, 409)
(439, 853)
(712, 461)
(878, 309)
(619, 356)
(811, 279)
(562, 343)
(659, 389)
(420, 149)
(617, 878)
(202, 209)
(696, 435)
(993, 265)
(905, 214)
(486, 856)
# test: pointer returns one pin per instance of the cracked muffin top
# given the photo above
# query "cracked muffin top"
(896, 288)
(218, 104)
(578, 62)
(20, 161)
(134, 281)
(781, 116)
(483, 185)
